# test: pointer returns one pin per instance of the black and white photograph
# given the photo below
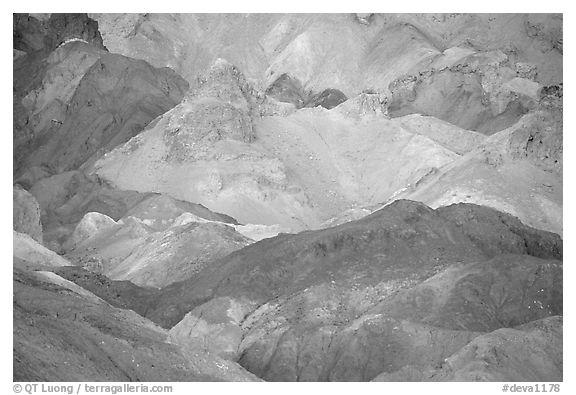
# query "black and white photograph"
(286, 197)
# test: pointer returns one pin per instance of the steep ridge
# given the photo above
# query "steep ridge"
(207, 140)
(385, 244)
(113, 101)
(478, 92)
(132, 250)
(518, 170)
(321, 163)
(404, 282)
(54, 53)
(326, 320)
(329, 123)
(28, 253)
(33, 33)
(43, 87)
(365, 55)
(62, 332)
(296, 170)
(66, 198)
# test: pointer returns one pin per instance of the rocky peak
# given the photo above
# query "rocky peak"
(63, 27)
(218, 106)
(225, 82)
(46, 34)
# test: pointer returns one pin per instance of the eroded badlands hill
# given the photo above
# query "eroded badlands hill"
(235, 150)
(63, 332)
(368, 53)
(279, 203)
(74, 100)
(402, 290)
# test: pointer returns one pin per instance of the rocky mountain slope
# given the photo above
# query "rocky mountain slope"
(404, 283)
(78, 101)
(304, 168)
(288, 197)
(368, 54)
(62, 332)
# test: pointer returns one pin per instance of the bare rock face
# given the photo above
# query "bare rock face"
(365, 104)
(218, 107)
(26, 214)
(417, 159)
(65, 27)
(71, 92)
(46, 34)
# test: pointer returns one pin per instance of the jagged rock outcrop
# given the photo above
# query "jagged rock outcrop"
(66, 27)
(26, 213)
(46, 34)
